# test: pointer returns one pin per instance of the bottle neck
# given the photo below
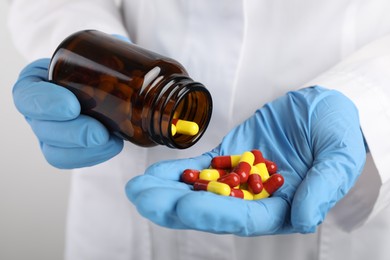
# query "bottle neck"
(177, 97)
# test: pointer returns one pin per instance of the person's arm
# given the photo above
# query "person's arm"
(365, 78)
(37, 27)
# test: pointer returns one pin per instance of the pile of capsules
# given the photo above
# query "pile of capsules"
(248, 176)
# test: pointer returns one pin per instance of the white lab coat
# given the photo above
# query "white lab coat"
(247, 52)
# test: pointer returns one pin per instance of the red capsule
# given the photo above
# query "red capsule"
(213, 186)
(189, 176)
(255, 185)
(274, 182)
(258, 156)
(232, 179)
(225, 161)
(271, 166)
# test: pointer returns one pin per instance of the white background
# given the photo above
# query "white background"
(33, 194)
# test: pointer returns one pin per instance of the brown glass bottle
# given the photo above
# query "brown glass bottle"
(134, 92)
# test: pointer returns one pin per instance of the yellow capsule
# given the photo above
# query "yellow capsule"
(247, 195)
(211, 174)
(219, 188)
(247, 157)
(185, 127)
(260, 169)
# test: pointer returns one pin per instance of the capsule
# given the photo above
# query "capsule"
(213, 186)
(189, 176)
(244, 166)
(104, 88)
(211, 174)
(261, 170)
(185, 127)
(225, 161)
(232, 179)
(255, 184)
(274, 182)
(258, 156)
(242, 194)
(271, 166)
(259, 165)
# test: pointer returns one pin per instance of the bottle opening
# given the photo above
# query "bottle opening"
(191, 117)
(184, 116)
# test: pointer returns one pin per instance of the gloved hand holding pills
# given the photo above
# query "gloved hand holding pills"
(312, 135)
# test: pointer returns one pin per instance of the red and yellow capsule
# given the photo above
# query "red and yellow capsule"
(242, 194)
(259, 165)
(189, 176)
(244, 166)
(274, 182)
(213, 186)
(225, 161)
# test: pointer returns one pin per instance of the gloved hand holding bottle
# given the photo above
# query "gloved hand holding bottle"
(67, 138)
(314, 137)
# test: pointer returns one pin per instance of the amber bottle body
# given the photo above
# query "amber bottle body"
(134, 92)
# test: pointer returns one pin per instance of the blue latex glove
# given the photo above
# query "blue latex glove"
(313, 135)
(67, 138)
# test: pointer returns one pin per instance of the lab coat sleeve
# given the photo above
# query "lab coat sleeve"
(365, 78)
(37, 27)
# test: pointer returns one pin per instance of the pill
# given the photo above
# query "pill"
(232, 179)
(103, 90)
(274, 182)
(189, 176)
(109, 78)
(211, 174)
(213, 186)
(259, 165)
(123, 91)
(225, 161)
(271, 166)
(185, 127)
(261, 170)
(244, 166)
(255, 184)
(258, 156)
(242, 194)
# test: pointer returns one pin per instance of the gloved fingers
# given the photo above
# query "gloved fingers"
(339, 156)
(83, 131)
(69, 158)
(209, 212)
(172, 169)
(36, 98)
(156, 199)
(174, 205)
